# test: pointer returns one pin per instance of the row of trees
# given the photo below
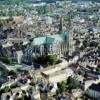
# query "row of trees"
(6, 60)
(10, 2)
(42, 9)
(69, 84)
(5, 89)
(46, 59)
(10, 13)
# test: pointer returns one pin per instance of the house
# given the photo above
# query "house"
(76, 93)
(89, 81)
(94, 91)
(35, 95)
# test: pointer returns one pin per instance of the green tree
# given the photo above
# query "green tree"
(81, 72)
(6, 89)
(45, 59)
(52, 59)
(42, 9)
(21, 98)
(70, 80)
(98, 69)
(12, 72)
(71, 83)
(5, 60)
(2, 73)
(61, 86)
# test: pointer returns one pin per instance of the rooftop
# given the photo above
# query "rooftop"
(49, 39)
(95, 87)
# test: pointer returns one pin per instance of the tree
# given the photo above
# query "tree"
(21, 98)
(2, 73)
(70, 80)
(46, 59)
(6, 89)
(81, 73)
(5, 60)
(12, 72)
(61, 86)
(98, 69)
(71, 83)
(51, 59)
(0, 47)
(42, 9)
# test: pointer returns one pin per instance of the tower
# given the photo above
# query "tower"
(61, 25)
(69, 36)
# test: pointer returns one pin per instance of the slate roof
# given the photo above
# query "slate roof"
(95, 87)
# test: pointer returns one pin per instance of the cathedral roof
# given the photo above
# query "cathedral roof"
(49, 39)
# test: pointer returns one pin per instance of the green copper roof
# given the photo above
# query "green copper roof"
(38, 40)
(48, 39)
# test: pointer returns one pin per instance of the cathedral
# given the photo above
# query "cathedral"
(49, 44)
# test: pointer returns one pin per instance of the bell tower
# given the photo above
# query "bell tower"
(61, 25)
(69, 36)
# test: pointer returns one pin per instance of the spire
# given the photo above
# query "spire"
(61, 25)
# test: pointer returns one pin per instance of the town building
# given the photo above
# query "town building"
(94, 91)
